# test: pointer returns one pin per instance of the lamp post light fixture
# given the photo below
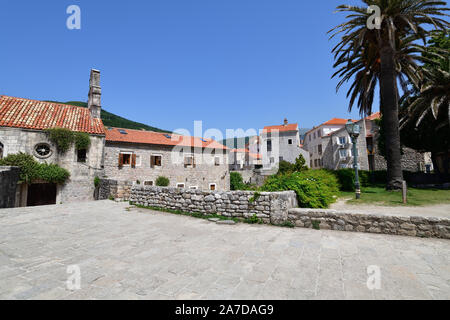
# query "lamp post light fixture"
(354, 130)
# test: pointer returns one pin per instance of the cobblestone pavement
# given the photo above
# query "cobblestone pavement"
(139, 254)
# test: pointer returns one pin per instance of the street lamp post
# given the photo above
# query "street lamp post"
(354, 131)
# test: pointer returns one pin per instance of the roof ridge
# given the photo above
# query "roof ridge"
(42, 101)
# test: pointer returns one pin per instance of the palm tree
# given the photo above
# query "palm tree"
(385, 56)
(432, 97)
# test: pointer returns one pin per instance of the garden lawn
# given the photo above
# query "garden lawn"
(416, 197)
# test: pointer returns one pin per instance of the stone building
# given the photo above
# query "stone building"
(281, 143)
(22, 129)
(313, 141)
(338, 150)
(140, 157)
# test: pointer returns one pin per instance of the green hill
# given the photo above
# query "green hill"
(111, 120)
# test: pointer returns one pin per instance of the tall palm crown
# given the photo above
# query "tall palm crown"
(387, 55)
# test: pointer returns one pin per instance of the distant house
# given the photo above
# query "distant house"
(22, 129)
(140, 157)
(243, 159)
(281, 143)
(337, 150)
(313, 141)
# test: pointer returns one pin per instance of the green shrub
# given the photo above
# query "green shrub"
(287, 167)
(82, 140)
(31, 170)
(52, 173)
(346, 178)
(236, 181)
(314, 188)
(255, 197)
(162, 182)
(97, 182)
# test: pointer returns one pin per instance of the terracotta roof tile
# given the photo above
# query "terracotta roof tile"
(281, 128)
(40, 115)
(157, 138)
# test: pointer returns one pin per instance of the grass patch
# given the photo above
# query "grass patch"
(416, 197)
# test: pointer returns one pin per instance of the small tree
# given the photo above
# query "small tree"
(300, 164)
(236, 181)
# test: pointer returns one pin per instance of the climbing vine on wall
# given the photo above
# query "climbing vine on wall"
(65, 138)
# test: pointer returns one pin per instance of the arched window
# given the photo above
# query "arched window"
(1, 150)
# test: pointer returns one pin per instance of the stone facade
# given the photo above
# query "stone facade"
(80, 186)
(9, 177)
(269, 207)
(427, 227)
(205, 173)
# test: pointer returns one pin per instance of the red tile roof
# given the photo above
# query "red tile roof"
(157, 138)
(336, 121)
(281, 128)
(39, 115)
(374, 116)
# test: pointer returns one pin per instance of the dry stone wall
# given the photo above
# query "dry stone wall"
(269, 207)
(414, 226)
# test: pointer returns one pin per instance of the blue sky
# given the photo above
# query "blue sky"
(230, 63)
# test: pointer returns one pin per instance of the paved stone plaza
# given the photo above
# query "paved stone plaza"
(134, 253)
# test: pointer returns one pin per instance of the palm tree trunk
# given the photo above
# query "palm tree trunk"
(389, 98)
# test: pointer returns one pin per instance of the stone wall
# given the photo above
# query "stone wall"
(269, 207)
(114, 189)
(414, 226)
(9, 177)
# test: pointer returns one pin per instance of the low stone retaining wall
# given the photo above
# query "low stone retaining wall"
(414, 226)
(270, 207)
(115, 189)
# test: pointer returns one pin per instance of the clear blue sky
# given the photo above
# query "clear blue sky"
(230, 63)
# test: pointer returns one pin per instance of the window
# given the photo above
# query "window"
(217, 161)
(127, 159)
(272, 160)
(189, 161)
(180, 185)
(342, 140)
(42, 150)
(319, 133)
(311, 163)
(148, 183)
(320, 149)
(316, 163)
(269, 145)
(309, 137)
(343, 153)
(314, 136)
(1, 150)
(193, 187)
(155, 161)
(281, 159)
(212, 187)
(290, 141)
(82, 155)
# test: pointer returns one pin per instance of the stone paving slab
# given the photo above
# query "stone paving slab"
(130, 253)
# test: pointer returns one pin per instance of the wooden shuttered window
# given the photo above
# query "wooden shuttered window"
(133, 161)
(120, 160)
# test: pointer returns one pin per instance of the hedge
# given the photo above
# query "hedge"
(314, 188)
(31, 170)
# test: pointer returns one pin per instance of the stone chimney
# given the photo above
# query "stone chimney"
(95, 93)
(286, 121)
